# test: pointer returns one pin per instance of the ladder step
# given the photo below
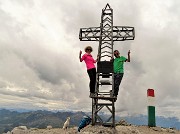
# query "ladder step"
(104, 104)
(107, 94)
(102, 94)
(104, 98)
(105, 75)
(105, 82)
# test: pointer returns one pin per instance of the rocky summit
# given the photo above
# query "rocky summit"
(119, 129)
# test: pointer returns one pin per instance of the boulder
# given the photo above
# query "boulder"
(49, 127)
(19, 130)
(123, 123)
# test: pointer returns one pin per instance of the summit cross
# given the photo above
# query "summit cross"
(106, 34)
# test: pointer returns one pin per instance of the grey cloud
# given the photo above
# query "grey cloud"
(27, 60)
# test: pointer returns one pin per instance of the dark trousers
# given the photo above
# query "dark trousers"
(92, 77)
(117, 81)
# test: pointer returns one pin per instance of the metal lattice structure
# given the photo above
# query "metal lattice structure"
(106, 34)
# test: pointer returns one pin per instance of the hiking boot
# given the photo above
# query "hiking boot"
(115, 97)
(111, 93)
(92, 95)
(101, 95)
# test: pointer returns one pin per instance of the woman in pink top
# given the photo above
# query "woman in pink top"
(91, 69)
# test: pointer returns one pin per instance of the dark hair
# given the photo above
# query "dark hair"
(88, 48)
(116, 50)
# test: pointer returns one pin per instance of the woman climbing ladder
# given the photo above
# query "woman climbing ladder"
(91, 69)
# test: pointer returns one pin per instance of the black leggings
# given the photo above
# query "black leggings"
(92, 77)
(117, 81)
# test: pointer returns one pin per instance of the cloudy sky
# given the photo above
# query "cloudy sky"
(39, 47)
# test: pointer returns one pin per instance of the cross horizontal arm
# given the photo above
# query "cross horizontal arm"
(89, 34)
(120, 33)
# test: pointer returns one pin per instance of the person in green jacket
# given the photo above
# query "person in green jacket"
(118, 65)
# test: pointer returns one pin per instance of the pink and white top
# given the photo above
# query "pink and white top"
(88, 59)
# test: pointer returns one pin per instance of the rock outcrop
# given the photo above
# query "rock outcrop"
(122, 128)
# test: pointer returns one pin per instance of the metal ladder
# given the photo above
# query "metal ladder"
(104, 100)
(106, 34)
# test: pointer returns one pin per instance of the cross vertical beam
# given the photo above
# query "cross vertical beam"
(106, 34)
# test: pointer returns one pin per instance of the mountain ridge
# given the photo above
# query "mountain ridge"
(42, 118)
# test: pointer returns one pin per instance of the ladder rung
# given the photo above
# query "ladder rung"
(104, 98)
(103, 94)
(105, 75)
(105, 104)
(105, 82)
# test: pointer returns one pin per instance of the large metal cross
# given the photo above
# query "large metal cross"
(106, 34)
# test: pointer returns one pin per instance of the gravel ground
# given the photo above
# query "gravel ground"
(100, 130)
